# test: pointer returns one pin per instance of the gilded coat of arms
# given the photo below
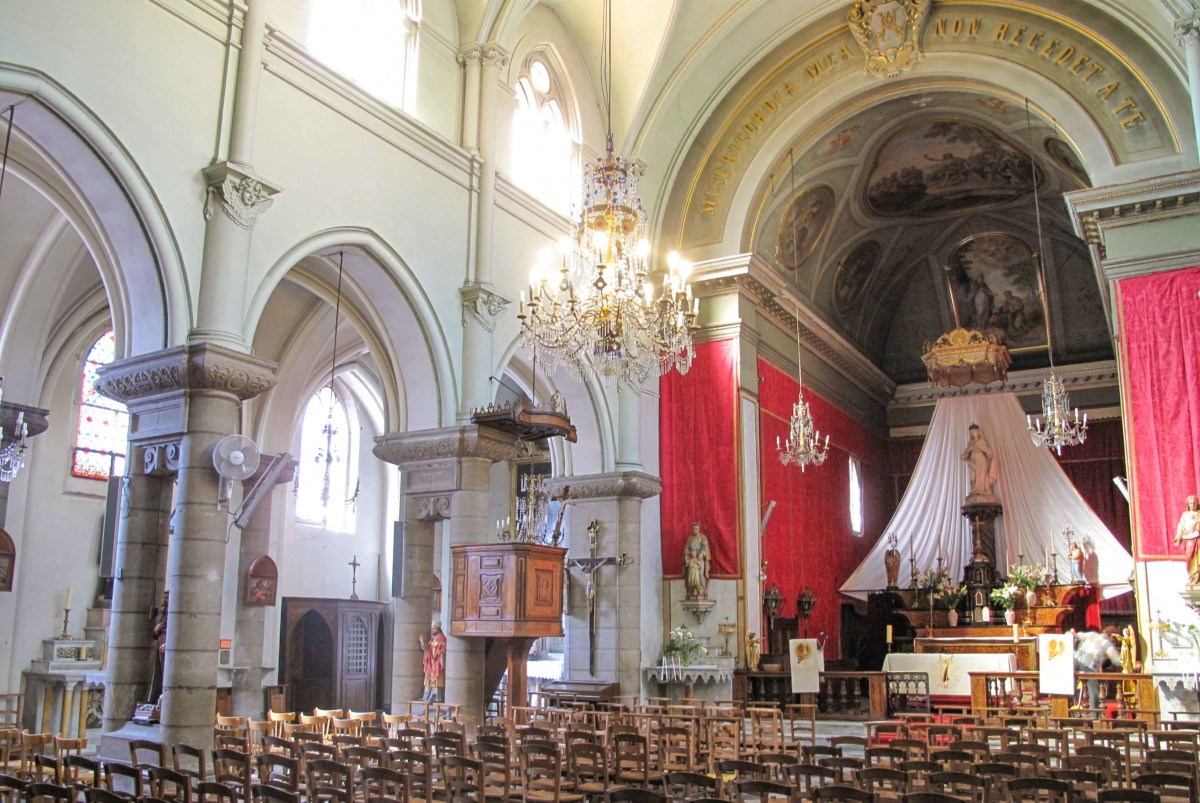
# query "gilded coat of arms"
(889, 32)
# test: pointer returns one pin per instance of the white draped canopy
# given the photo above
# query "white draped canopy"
(1039, 504)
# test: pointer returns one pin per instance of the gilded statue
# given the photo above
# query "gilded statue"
(696, 564)
(753, 652)
(981, 463)
(1187, 534)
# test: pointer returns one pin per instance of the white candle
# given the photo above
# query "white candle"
(67, 601)
(1014, 634)
(889, 634)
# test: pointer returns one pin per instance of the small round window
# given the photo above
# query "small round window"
(539, 76)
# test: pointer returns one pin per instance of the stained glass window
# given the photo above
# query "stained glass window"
(102, 435)
(327, 475)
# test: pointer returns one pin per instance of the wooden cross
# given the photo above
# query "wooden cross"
(354, 564)
(589, 566)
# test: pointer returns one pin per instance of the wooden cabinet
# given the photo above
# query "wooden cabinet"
(329, 652)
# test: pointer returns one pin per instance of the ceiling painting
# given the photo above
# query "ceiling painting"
(803, 225)
(996, 289)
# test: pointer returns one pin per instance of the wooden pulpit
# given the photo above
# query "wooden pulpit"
(512, 595)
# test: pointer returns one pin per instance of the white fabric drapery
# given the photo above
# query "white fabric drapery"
(1039, 503)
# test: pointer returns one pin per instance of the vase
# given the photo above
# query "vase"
(1010, 617)
(1031, 598)
(952, 618)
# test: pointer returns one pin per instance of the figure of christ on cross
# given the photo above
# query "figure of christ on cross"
(589, 566)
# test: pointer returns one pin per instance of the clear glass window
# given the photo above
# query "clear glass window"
(543, 148)
(327, 475)
(856, 497)
(102, 431)
(368, 42)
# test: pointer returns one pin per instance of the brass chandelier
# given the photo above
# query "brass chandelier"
(596, 312)
(1058, 426)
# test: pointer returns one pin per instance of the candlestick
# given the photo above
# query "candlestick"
(66, 634)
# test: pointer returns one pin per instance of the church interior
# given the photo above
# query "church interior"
(496, 363)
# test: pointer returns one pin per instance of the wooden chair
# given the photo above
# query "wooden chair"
(812, 753)
(843, 794)
(724, 738)
(278, 770)
(328, 781)
(81, 772)
(101, 795)
(12, 788)
(279, 719)
(962, 785)
(267, 793)
(587, 764)
(256, 729)
(232, 768)
(887, 780)
(231, 741)
(383, 784)
(462, 778)
(683, 785)
(850, 745)
(123, 779)
(49, 793)
(33, 744)
(801, 720)
(167, 784)
(776, 764)
(845, 766)
(498, 775)
(1168, 785)
(418, 767)
(541, 776)
(885, 756)
(930, 797)
(754, 789)
(46, 769)
(1039, 790)
(631, 761)
(1119, 795)
(215, 792)
(632, 794)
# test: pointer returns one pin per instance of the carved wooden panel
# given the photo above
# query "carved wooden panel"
(508, 590)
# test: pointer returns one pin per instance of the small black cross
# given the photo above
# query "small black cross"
(354, 564)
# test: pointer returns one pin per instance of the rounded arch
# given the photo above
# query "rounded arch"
(394, 308)
(110, 201)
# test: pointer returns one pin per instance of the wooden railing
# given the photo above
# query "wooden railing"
(1007, 691)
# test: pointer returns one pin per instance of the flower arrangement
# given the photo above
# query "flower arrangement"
(1005, 597)
(932, 580)
(1027, 577)
(686, 643)
(951, 593)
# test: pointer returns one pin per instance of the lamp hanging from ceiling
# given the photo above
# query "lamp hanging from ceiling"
(328, 454)
(1058, 426)
(14, 436)
(599, 315)
(803, 447)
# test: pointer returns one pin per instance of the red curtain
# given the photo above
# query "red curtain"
(1161, 355)
(698, 443)
(808, 542)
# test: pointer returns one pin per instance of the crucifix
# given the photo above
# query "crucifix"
(589, 566)
(354, 564)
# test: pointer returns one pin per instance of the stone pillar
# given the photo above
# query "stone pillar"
(141, 534)
(615, 501)
(241, 194)
(481, 308)
(493, 60)
(1187, 31)
(445, 473)
(194, 391)
(250, 619)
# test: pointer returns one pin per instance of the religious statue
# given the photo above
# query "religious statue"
(562, 497)
(434, 664)
(159, 632)
(1128, 650)
(982, 466)
(1075, 558)
(891, 562)
(1187, 534)
(753, 652)
(696, 560)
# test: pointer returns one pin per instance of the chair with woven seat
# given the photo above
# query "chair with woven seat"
(12, 788)
(963, 785)
(730, 770)
(33, 744)
(995, 775)
(189, 761)
(883, 780)
(634, 794)
(850, 745)
(123, 779)
(462, 778)
(46, 769)
(840, 793)
(631, 761)
(1084, 784)
(683, 785)
(724, 739)
(145, 753)
(232, 768)
(1120, 795)
(1169, 785)
(81, 772)
(953, 760)
(215, 792)
(100, 795)
(978, 748)
(49, 793)
(912, 748)
(844, 766)
(328, 781)
(754, 789)
(279, 718)
(380, 784)
(167, 784)
(918, 773)
(418, 768)
(269, 793)
(542, 776)
(498, 767)
(811, 753)
(278, 770)
(806, 777)
(776, 764)
(587, 764)
(1037, 790)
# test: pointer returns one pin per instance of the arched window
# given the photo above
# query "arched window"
(371, 42)
(856, 496)
(328, 473)
(543, 161)
(102, 433)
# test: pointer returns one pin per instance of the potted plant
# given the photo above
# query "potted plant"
(686, 644)
(1027, 577)
(951, 594)
(1005, 598)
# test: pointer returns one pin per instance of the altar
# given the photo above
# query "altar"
(1024, 648)
(708, 682)
(949, 673)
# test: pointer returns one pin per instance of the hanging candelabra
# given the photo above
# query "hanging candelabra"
(13, 443)
(1058, 426)
(533, 512)
(600, 315)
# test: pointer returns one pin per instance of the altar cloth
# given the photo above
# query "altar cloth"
(949, 674)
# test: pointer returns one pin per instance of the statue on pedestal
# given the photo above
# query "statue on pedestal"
(753, 652)
(891, 562)
(433, 663)
(696, 560)
(1187, 535)
(982, 466)
(1076, 557)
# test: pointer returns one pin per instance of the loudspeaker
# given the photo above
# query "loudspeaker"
(398, 559)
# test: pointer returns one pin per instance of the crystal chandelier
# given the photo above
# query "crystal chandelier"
(1059, 426)
(599, 315)
(533, 513)
(12, 442)
(803, 447)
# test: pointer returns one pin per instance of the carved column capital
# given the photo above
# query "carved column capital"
(471, 56)
(610, 485)
(495, 57)
(1187, 30)
(483, 304)
(161, 459)
(195, 367)
(428, 447)
(240, 192)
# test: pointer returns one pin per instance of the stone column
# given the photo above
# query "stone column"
(481, 308)
(445, 475)
(250, 619)
(1187, 31)
(615, 501)
(493, 60)
(141, 535)
(194, 391)
(241, 195)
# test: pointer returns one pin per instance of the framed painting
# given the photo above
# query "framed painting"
(262, 582)
(996, 289)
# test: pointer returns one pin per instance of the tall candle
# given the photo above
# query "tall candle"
(1014, 634)
(67, 601)
(889, 634)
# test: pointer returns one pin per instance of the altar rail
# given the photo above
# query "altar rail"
(992, 692)
(843, 695)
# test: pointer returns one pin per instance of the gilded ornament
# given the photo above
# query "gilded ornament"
(889, 32)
